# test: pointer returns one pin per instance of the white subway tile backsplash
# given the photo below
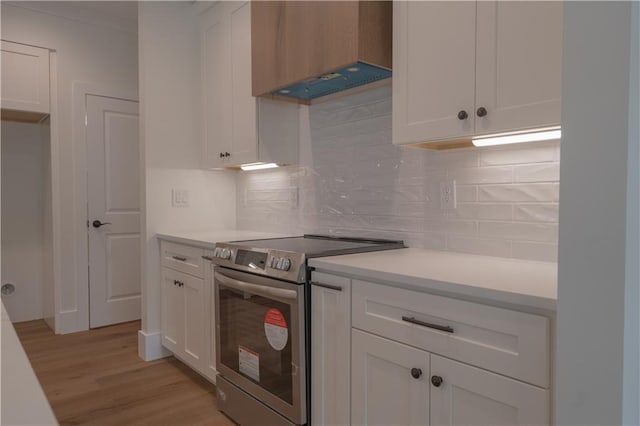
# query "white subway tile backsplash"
(465, 194)
(536, 212)
(519, 154)
(483, 211)
(353, 181)
(479, 175)
(519, 231)
(537, 173)
(515, 193)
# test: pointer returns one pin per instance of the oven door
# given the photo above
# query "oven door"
(260, 339)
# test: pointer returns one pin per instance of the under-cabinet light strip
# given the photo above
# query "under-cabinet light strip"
(258, 166)
(535, 135)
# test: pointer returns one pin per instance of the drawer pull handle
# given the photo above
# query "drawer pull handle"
(412, 320)
(416, 373)
(180, 258)
(436, 381)
(209, 258)
(329, 286)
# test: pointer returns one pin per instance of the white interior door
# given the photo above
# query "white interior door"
(113, 201)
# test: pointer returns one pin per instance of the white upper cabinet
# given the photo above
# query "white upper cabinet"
(433, 70)
(25, 78)
(518, 65)
(233, 133)
(469, 68)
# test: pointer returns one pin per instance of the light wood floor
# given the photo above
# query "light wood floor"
(96, 378)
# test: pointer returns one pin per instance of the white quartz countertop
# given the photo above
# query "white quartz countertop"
(23, 401)
(506, 281)
(208, 239)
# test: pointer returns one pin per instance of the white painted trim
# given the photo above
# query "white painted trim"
(150, 346)
(56, 219)
(78, 14)
(80, 90)
(67, 322)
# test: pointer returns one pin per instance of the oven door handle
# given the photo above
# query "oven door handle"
(260, 290)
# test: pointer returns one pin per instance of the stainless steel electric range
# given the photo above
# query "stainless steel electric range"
(262, 308)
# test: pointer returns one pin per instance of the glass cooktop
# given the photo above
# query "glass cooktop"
(319, 245)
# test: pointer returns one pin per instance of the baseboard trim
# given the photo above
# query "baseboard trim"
(150, 346)
(67, 322)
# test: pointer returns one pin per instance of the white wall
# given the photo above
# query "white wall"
(597, 328)
(24, 152)
(353, 181)
(93, 51)
(170, 119)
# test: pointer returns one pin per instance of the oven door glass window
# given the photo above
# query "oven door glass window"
(256, 339)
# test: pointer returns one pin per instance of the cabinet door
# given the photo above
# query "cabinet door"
(384, 392)
(519, 64)
(25, 77)
(243, 104)
(469, 395)
(330, 349)
(194, 347)
(215, 33)
(433, 70)
(172, 310)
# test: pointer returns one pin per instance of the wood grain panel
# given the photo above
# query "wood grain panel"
(375, 36)
(96, 378)
(294, 41)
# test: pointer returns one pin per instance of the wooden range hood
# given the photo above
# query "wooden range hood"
(302, 50)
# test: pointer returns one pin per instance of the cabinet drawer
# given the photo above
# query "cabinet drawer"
(183, 258)
(512, 343)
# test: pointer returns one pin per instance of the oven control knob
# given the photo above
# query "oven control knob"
(279, 263)
(225, 253)
(286, 264)
(216, 252)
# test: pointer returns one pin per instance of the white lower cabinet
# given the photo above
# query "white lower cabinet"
(389, 382)
(385, 355)
(471, 396)
(330, 349)
(396, 384)
(183, 317)
(187, 315)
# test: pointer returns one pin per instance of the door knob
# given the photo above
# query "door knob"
(416, 373)
(436, 381)
(98, 224)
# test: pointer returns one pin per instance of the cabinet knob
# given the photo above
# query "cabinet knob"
(222, 155)
(226, 154)
(462, 115)
(416, 373)
(482, 111)
(436, 381)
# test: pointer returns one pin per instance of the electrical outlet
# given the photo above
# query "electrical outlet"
(448, 195)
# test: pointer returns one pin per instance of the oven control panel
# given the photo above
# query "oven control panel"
(279, 264)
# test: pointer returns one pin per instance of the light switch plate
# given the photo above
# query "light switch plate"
(179, 198)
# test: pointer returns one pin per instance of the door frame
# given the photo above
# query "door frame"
(80, 91)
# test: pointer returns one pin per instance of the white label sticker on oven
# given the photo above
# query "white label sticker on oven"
(276, 330)
(249, 363)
